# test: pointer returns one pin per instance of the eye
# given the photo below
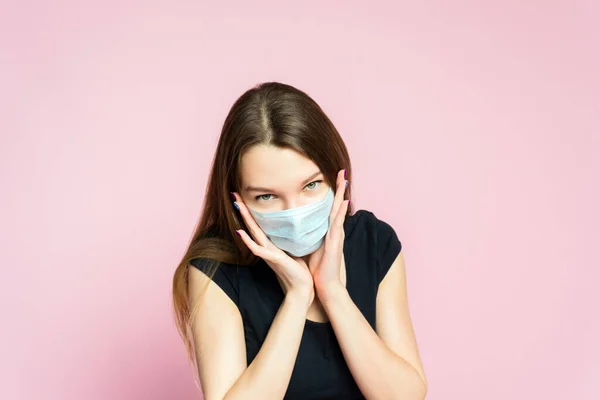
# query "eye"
(262, 197)
(313, 185)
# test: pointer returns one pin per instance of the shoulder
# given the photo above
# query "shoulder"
(206, 264)
(366, 222)
(365, 228)
(225, 275)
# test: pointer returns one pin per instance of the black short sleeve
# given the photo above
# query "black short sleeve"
(388, 247)
(225, 276)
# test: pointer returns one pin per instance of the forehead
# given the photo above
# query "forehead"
(270, 166)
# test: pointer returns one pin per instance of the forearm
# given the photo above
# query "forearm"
(268, 375)
(379, 372)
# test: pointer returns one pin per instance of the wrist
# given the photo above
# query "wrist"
(301, 295)
(330, 292)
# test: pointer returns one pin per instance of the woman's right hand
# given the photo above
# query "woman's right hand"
(292, 272)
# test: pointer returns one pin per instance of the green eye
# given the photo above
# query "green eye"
(313, 185)
(262, 197)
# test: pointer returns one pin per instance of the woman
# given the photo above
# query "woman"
(290, 294)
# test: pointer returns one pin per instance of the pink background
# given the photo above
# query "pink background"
(473, 130)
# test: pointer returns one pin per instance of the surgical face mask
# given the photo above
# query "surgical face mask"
(299, 231)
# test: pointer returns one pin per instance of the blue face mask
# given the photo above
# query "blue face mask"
(299, 231)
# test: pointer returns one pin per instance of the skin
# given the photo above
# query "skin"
(384, 362)
(275, 179)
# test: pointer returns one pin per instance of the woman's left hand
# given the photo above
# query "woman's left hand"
(325, 263)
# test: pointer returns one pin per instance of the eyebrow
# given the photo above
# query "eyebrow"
(262, 189)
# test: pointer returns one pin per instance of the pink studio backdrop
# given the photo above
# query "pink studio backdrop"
(473, 129)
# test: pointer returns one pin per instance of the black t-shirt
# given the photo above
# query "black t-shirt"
(320, 371)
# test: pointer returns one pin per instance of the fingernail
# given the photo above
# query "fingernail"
(233, 196)
(235, 204)
(346, 183)
(348, 203)
(238, 234)
(344, 174)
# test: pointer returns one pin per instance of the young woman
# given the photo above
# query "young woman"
(283, 291)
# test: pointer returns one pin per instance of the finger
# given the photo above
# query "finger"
(339, 195)
(315, 257)
(255, 230)
(337, 227)
(252, 245)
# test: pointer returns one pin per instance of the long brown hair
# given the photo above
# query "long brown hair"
(270, 113)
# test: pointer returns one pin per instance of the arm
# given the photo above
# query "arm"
(386, 364)
(221, 351)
